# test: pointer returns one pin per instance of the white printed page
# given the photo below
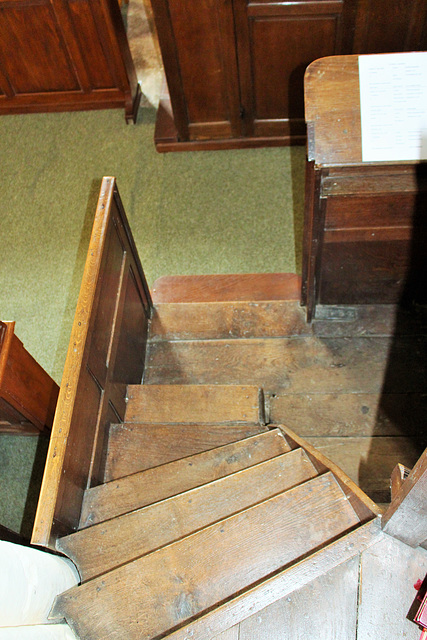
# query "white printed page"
(393, 106)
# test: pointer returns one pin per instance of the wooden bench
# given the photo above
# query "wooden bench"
(28, 394)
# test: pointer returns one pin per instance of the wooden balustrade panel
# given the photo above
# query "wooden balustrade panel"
(106, 352)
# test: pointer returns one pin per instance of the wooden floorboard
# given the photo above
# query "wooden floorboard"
(281, 585)
(351, 414)
(369, 461)
(307, 614)
(358, 376)
(198, 404)
(389, 569)
(297, 365)
(220, 320)
(279, 318)
(227, 287)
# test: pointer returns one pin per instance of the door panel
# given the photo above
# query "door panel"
(205, 48)
(278, 41)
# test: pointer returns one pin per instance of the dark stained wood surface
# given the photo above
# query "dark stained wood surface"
(292, 365)
(332, 110)
(102, 547)
(221, 560)
(351, 414)
(133, 447)
(280, 319)
(364, 229)
(235, 69)
(227, 287)
(139, 489)
(106, 352)
(65, 56)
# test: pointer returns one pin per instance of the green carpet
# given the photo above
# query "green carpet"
(190, 213)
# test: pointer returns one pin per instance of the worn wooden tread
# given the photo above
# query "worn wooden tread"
(295, 365)
(225, 320)
(196, 573)
(279, 319)
(134, 447)
(282, 584)
(195, 404)
(140, 489)
(107, 545)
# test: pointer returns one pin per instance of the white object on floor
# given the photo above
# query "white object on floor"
(30, 579)
(38, 632)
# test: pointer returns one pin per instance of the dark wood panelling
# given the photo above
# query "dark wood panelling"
(90, 42)
(92, 393)
(207, 65)
(365, 229)
(43, 63)
(281, 47)
(61, 55)
(387, 26)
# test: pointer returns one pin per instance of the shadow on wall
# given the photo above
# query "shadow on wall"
(402, 409)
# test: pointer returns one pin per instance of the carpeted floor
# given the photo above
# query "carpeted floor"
(204, 212)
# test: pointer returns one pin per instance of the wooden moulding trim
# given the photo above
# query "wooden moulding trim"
(364, 507)
(282, 584)
(227, 288)
(6, 337)
(298, 7)
(42, 531)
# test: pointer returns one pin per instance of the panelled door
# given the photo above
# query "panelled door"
(198, 47)
(275, 42)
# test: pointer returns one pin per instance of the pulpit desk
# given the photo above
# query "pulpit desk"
(365, 223)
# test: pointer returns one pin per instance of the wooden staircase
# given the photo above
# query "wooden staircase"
(187, 514)
(193, 532)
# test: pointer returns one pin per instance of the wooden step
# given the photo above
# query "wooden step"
(140, 489)
(227, 287)
(160, 591)
(134, 447)
(225, 320)
(195, 404)
(107, 545)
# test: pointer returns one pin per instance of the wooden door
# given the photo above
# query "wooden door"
(199, 54)
(276, 42)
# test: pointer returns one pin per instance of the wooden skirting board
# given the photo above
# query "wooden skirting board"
(166, 137)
